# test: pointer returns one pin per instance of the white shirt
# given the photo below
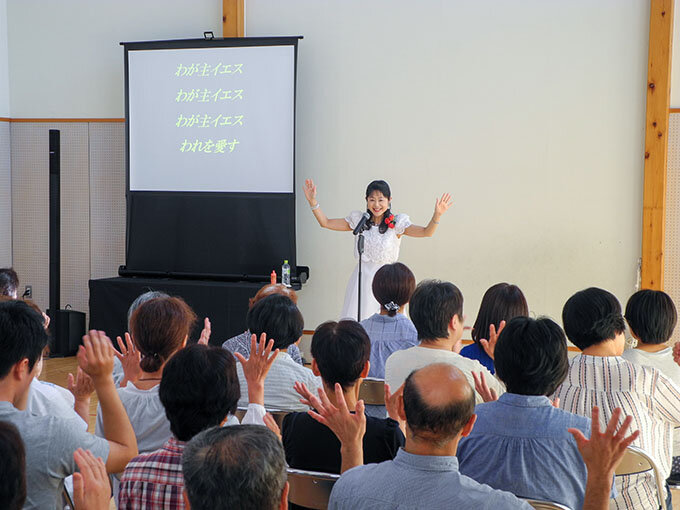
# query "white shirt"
(400, 364)
(278, 386)
(642, 392)
(47, 399)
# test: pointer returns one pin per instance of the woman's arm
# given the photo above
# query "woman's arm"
(440, 207)
(339, 224)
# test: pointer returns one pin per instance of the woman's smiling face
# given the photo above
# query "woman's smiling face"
(377, 204)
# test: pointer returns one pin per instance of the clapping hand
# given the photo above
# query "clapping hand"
(91, 489)
(490, 344)
(442, 205)
(129, 357)
(205, 334)
(81, 386)
(95, 356)
(256, 367)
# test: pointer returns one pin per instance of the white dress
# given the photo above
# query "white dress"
(379, 249)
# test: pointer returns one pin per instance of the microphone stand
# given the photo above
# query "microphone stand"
(360, 250)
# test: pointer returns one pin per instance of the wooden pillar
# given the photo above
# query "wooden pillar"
(233, 18)
(656, 142)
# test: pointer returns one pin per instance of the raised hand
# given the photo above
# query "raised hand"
(490, 344)
(91, 489)
(310, 190)
(348, 427)
(442, 204)
(205, 334)
(392, 405)
(95, 356)
(81, 386)
(487, 394)
(129, 357)
(303, 391)
(256, 367)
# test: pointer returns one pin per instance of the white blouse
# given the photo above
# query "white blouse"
(380, 248)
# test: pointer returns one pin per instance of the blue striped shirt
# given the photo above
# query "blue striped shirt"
(388, 335)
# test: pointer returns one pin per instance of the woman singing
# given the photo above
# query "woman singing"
(382, 239)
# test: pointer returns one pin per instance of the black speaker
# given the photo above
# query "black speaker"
(67, 326)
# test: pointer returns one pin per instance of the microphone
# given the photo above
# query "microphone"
(362, 223)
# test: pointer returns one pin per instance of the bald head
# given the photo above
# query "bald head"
(438, 402)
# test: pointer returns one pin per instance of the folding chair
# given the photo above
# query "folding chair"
(310, 489)
(372, 391)
(545, 505)
(636, 461)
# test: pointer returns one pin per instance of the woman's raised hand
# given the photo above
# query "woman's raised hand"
(442, 204)
(310, 190)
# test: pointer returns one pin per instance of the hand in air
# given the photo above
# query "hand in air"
(91, 490)
(490, 344)
(348, 427)
(310, 190)
(95, 356)
(487, 394)
(442, 204)
(81, 386)
(205, 334)
(129, 357)
(392, 402)
(261, 359)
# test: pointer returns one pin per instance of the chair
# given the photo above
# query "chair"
(310, 489)
(277, 414)
(636, 461)
(372, 391)
(545, 505)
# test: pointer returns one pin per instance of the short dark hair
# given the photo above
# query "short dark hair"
(278, 317)
(242, 466)
(592, 316)
(438, 424)
(12, 468)
(652, 316)
(531, 356)
(22, 335)
(199, 388)
(393, 283)
(159, 327)
(9, 282)
(341, 350)
(433, 305)
(501, 302)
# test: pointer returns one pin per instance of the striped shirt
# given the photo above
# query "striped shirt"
(641, 392)
(388, 335)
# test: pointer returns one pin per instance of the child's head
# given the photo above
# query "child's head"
(593, 316)
(393, 286)
(501, 302)
(651, 316)
(159, 328)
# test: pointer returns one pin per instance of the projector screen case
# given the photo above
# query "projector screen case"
(200, 211)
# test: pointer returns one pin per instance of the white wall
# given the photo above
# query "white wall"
(530, 112)
(4, 67)
(65, 60)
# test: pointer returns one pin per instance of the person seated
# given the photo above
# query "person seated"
(501, 302)
(437, 312)
(438, 407)
(9, 282)
(51, 441)
(599, 375)
(235, 467)
(531, 359)
(199, 390)
(390, 330)
(12, 468)
(340, 356)
(160, 327)
(651, 317)
(279, 318)
(241, 343)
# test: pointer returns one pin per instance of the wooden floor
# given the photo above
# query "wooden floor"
(56, 370)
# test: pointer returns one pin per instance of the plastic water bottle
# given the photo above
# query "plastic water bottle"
(285, 273)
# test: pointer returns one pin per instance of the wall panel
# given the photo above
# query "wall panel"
(672, 250)
(5, 196)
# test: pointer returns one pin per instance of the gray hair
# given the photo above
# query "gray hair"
(241, 466)
(141, 299)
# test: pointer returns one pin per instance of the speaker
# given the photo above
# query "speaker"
(68, 328)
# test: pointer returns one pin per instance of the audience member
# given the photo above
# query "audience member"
(600, 376)
(340, 353)
(279, 318)
(651, 317)
(160, 327)
(199, 390)
(437, 313)
(235, 467)
(501, 302)
(241, 343)
(50, 441)
(438, 407)
(390, 330)
(542, 460)
(12, 468)
(9, 282)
